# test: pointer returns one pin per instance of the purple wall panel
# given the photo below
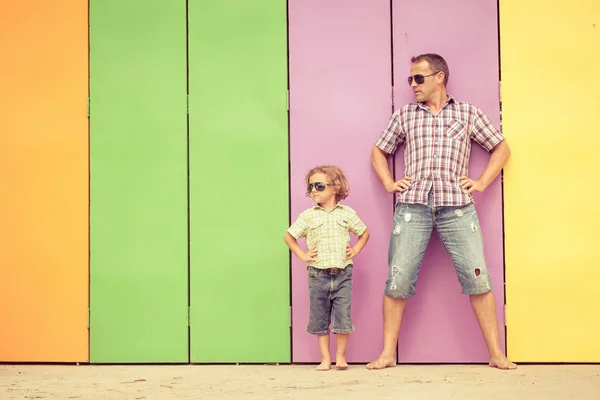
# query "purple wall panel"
(439, 324)
(340, 100)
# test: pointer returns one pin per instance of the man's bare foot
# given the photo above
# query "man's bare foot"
(324, 366)
(340, 362)
(382, 362)
(501, 362)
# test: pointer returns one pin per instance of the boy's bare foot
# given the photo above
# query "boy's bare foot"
(340, 362)
(501, 362)
(324, 366)
(382, 362)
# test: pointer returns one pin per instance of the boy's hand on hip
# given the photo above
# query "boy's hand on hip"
(399, 186)
(350, 253)
(310, 255)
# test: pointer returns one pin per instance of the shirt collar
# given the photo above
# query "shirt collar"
(318, 207)
(449, 100)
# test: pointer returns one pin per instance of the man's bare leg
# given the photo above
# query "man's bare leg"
(393, 309)
(325, 356)
(485, 311)
(340, 354)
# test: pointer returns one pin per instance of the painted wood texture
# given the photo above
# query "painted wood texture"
(44, 181)
(139, 223)
(340, 99)
(238, 180)
(550, 117)
(439, 324)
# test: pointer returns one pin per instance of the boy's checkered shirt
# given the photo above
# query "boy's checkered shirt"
(330, 232)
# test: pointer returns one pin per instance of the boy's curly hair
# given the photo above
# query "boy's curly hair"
(337, 179)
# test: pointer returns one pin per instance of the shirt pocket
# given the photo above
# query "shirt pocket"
(315, 226)
(342, 224)
(456, 130)
(315, 232)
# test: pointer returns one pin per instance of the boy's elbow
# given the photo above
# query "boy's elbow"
(366, 234)
(288, 238)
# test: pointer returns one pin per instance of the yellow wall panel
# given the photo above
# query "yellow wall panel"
(550, 59)
(43, 181)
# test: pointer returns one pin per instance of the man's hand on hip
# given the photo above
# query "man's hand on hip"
(471, 185)
(398, 186)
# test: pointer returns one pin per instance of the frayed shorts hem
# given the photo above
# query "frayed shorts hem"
(334, 331)
(319, 333)
(342, 331)
(393, 295)
(476, 291)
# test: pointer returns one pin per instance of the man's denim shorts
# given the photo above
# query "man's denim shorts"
(460, 233)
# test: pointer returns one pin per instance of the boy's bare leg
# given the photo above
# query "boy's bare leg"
(393, 309)
(485, 311)
(340, 354)
(325, 356)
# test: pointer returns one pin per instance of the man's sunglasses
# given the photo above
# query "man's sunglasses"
(419, 78)
(319, 186)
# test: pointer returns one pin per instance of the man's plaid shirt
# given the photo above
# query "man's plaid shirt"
(437, 148)
(330, 232)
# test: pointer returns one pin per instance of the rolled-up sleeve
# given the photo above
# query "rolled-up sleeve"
(300, 227)
(393, 135)
(356, 225)
(484, 132)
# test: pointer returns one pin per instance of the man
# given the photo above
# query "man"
(436, 192)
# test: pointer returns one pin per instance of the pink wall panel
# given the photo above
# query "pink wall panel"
(340, 99)
(439, 324)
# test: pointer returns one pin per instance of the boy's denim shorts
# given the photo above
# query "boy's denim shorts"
(330, 293)
(460, 233)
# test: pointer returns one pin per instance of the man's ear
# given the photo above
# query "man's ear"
(441, 76)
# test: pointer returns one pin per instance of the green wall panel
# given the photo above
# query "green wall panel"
(139, 258)
(239, 264)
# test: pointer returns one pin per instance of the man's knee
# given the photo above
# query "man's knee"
(401, 282)
(474, 280)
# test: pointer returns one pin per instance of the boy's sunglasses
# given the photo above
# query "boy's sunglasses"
(319, 186)
(419, 78)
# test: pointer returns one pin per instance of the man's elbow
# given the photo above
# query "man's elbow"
(502, 148)
(506, 149)
(376, 154)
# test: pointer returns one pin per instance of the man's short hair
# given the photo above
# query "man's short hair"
(436, 62)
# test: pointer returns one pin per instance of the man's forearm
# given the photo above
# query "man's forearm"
(497, 161)
(380, 164)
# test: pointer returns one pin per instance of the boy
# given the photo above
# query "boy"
(327, 228)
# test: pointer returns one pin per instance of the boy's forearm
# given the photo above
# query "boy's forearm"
(361, 242)
(292, 243)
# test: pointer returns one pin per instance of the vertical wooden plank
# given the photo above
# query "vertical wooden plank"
(439, 324)
(550, 116)
(239, 264)
(44, 181)
(139, 271)
(340, 99)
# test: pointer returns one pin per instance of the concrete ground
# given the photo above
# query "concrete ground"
(411, 382)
